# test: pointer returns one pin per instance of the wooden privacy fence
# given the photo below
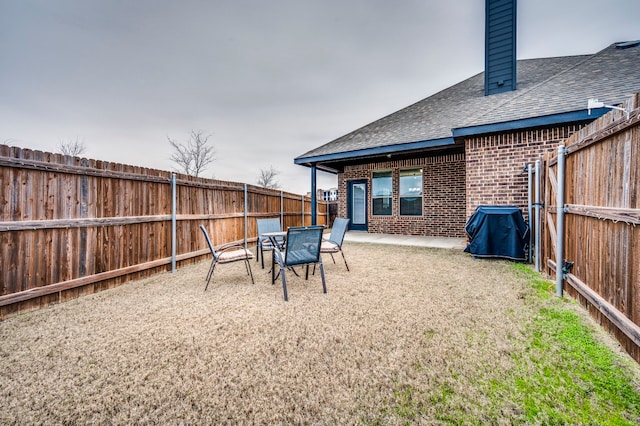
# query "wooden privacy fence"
(72, 226)
(601, 208)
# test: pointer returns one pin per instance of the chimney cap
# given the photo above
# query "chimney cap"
(627, 44)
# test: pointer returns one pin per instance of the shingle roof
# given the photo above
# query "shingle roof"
(546, 87)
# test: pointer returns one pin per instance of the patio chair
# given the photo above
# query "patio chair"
(302, 248)
(227, 254)
(264, 243)
(336, 238)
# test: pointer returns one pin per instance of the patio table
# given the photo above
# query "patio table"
(278, 239)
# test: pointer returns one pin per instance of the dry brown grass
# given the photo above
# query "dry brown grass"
(161, 350)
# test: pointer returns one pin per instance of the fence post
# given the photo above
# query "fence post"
(530, 208)
(326, 211)
(246, 218)
(560, 221)
(173, 221)
(302, 211)
(538, 221)
(281, 210)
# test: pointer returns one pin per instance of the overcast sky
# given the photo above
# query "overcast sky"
(268, 80)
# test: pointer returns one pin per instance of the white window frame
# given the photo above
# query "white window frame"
(377, 197)
(400, 196)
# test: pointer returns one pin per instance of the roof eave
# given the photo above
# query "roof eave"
(370, 152)
(528, 123)
(324, 161)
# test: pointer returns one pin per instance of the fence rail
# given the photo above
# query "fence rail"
(600, 246)
(71, 226)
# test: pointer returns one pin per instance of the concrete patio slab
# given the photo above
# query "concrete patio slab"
(406, 240)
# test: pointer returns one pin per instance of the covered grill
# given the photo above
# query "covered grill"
(497, 231)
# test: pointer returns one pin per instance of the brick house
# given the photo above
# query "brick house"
(424, 169)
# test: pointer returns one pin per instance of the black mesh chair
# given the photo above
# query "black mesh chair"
(336, 238)
(227, 254)
(264, 243)
(302, 248)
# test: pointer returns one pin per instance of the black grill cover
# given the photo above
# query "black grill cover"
(497, 231)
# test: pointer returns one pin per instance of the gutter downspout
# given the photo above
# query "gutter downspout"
(530, 208)
(538, 205)
(560, 221)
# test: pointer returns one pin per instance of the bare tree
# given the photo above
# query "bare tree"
(267, 178)
(74, 148)
(193, 156)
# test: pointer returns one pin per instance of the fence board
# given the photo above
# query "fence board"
(92, 225)
(621, 321)
(601, 236)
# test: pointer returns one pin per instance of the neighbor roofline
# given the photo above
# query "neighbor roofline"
(379, 150)
(527, 123)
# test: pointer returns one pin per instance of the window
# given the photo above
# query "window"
(381, 193)
(411, 192)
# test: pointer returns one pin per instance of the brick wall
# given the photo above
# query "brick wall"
(490, 172)
(494, 165)
(444, 198)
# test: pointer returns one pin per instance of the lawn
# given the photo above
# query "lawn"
(410, 336)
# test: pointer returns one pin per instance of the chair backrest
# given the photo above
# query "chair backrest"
(206, 237)
(338, 230)
(303, 245)
(268, 225)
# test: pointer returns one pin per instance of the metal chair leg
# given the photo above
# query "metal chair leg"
(324, 284)
(284, 285)
(213, 262)
(210, 274)
(249, 270)
(345, 259)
